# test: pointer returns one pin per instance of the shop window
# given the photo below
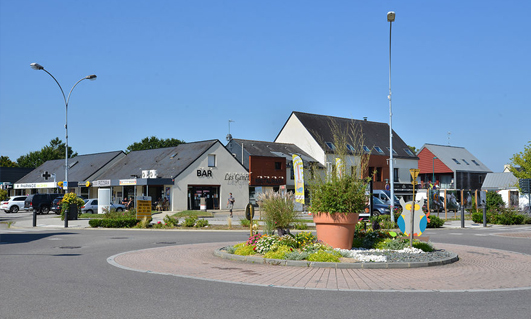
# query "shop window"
(278, 165)
(212, 160)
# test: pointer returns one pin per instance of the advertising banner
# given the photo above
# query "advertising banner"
(299, 179)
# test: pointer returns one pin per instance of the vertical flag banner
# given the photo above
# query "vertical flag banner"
(340, 167)
(299, 179)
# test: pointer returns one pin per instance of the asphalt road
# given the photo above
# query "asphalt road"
(65, 274)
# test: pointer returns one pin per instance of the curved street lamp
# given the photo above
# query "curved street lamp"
(390, 19)
(91, 77)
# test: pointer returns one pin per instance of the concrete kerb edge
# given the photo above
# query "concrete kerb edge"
(362, 265)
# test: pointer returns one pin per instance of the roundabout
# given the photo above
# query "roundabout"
(478, 269)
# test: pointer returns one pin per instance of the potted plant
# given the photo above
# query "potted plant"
(278, 210)
(339, 195)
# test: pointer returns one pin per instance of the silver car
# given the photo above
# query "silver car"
(91, 206)
(13, 204)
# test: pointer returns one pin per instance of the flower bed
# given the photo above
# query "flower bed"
(304, 247)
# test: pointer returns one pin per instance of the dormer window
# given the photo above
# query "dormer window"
(474, 161)
(379, 150)
(394, 152)
(331, 146)
(351, 148)
(465, 161)
(409, 152)
(456, 161)
(366, 149)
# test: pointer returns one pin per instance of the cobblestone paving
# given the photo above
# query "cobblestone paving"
(477, 269)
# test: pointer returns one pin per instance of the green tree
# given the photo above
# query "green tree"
(3, 194)
(413, 149)
(494, 200)
(6, 162)
(153, 142)
(56, 150)
(521, 163)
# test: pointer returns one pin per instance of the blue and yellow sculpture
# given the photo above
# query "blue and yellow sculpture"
(420, 220)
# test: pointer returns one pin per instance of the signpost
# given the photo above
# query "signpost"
(525, 186)
(143, 207)
(414, 174)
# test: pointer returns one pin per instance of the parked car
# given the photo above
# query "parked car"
(57, 205)
(379, 207)
(13, 204)
(41, 203)
(91, 206)
(385, 196)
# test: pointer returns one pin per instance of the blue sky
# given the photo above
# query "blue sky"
(182, 69)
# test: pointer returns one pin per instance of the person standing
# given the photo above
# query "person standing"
(230, 203)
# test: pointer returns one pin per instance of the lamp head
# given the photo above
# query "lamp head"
(91, 77)
(391, 16)
(36, 66)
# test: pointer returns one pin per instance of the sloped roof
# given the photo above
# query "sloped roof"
(465, 160)
(498, 181)
(169, 162)
(375, 134)
(262, 148)
(81, 167)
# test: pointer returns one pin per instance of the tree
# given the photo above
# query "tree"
(521, 163)
(413, 149)
(153, 142)
(6, 162)
(56, 150)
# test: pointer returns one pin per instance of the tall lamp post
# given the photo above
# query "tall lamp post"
(391, 18)
(92, 77)
(433, 170)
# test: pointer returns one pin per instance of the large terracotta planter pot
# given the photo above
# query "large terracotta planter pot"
(336, 229)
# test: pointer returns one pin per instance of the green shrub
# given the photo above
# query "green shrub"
(424, 246)
(392, 244)
(171, 221)
(278, 253)
(266, 243)
(436, 222)
(288, 240)
(201, 223)
(245, 222)
(189, 221)
(126, 222)
(296, 255)
(494, 200)
(245, 250)
(325, 256)
(301, 226)
(304, 238)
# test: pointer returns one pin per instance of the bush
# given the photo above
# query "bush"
(278, 253)
(424, 246)
(266, 243)
(245, 222)
(288, 240)
(494, 200)
(304, 238)
(171, 221)
(126, 222)
(201, 223)
(296, 255)
(393, 244)
(189, 221)
(278, 208)
(301, 226)
(325, 256)
(436, 222)
(246, 250)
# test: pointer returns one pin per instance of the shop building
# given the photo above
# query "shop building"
(184, 176)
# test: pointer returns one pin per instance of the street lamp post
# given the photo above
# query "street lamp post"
(433, 169)
(391, 18)
(92, 77)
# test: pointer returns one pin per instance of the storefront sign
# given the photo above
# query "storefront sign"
(204, 173)
(143, 207)
(237, 176)
(35, 185)
(102, 183)
(127, 182)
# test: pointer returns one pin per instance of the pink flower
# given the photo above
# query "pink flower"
(159, 222)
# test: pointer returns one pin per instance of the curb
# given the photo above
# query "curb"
(361, 265)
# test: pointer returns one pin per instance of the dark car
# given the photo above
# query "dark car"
(56, 205)
(41, 203)
(379, 207)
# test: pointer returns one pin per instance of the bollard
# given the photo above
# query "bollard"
(462, 216)
(34, 218)
(485, 216)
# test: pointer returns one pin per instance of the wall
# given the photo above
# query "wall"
(228, 173)
(263, 172)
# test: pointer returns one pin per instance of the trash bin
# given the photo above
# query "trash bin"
(72, 212)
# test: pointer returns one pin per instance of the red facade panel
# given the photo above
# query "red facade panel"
(428, 165)
(267, 171)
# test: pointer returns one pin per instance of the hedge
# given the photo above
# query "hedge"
(113, 222)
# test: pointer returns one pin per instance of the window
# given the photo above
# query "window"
(376, 173)
(212, 160)
(351, 148)
(409, 152)
(465, 161)
(481, 179)
(378, 149)
(331, 146)
(394, 152)
(456, 161)
(395, 175)
(366, 149)
(474, 161)
(278, 165)
(291, 173)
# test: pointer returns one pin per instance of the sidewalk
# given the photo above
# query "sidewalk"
(220, 217)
